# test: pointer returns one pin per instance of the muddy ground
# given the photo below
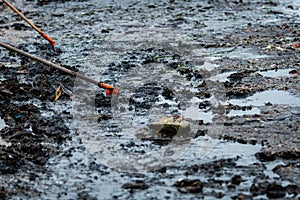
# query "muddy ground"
(235, 63)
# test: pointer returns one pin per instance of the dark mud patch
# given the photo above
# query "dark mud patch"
(32, 131)
(29, 141)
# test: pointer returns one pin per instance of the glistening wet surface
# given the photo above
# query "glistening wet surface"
(220, 71)
(277, 73)
(250, 111)
(2, 123)
(272, 97)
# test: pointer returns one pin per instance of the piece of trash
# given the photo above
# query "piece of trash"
(22, 71)
(57, 93)
(280, 48)
(269, 46)
(19, 116)
(168, 127)
(66, 90)
(296, 45)
(62, 89)
(4, 143)
(6, 91)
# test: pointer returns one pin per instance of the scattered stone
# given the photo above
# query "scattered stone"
(275, 191)
(168, 127)
(242, 197)
(290, 171)
(272, 190)
(269, 155)
(137, 185)
(236, 179)
(189, 186)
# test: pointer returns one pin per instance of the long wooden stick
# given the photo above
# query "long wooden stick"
(44, 35)
(110, 90)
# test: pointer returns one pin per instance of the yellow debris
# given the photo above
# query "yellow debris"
(57, 93)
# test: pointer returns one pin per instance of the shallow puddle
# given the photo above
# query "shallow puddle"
(276, 73)
(2, 78)
(190, 113)
(271, 96)
(206, 66)
(246, 53)
(2, 123)
(208, 149)
(3, 142)
(230, 52)
(221, 77)
(252, 111)
(194, 113)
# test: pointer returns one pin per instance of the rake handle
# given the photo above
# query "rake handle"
(44, 35)
(109, 89)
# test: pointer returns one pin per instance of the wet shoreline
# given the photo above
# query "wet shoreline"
(230, 68)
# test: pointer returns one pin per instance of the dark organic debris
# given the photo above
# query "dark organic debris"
(28, 134)
(272, 190)
(266, 155)
(236, 179)
(293, 72)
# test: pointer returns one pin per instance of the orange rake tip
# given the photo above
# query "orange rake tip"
(47, 37)
(105, 86)
(110, 92)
